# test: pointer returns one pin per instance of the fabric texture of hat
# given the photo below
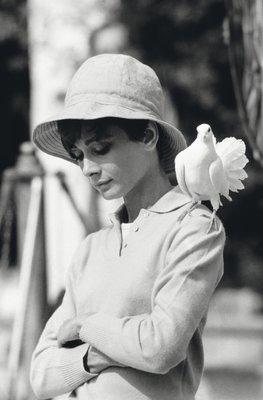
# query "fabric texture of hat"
(112, 85)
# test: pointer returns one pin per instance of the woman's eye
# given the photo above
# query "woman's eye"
(77, 155)
(101, 148)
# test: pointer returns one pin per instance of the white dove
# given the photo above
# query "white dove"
(206, 169)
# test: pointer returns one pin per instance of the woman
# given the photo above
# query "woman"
(137, 294)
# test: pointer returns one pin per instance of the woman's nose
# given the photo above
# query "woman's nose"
(89, 167)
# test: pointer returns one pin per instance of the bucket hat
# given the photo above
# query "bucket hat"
(112, 85)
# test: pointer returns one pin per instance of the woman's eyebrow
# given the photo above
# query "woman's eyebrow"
(90, 140)
(95, 138)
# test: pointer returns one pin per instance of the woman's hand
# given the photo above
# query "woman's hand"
(69, 330)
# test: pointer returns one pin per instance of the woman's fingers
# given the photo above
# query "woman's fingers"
(68, 332)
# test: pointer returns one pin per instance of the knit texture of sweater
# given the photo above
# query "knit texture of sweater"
(146, 298)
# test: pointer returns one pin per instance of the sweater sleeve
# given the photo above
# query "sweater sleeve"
(97, 361)
(58, 370)
(158, 341)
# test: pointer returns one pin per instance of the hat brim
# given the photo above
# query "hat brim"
(47, 137)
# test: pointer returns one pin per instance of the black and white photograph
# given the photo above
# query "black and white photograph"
(131, 200)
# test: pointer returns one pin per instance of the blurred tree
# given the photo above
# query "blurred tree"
(243, 220)
(184, 43)
(14, 79)
(244, 35)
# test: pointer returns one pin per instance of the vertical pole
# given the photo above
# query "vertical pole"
(27, 169)
(6, 202)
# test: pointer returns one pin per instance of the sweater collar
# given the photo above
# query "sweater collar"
(170, 201)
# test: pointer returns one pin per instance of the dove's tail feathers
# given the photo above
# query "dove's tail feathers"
(231, 149)
(237, 174)
(215, 201)
(227, 197)
(232, 153)
(235, 185)
(239, 162)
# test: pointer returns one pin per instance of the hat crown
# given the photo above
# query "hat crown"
(117, 79)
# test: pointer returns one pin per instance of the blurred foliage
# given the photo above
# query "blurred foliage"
(183, 41)
(243, 220)
(14, 79)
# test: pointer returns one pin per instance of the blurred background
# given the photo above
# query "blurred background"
(208, 55)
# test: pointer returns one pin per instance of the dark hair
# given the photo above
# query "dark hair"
(70, 130)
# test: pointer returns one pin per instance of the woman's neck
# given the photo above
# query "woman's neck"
(146, 193)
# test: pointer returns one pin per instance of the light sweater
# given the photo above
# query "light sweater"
(147, 298)
(125, 228)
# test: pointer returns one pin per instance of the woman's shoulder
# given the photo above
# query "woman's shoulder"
(201, 211)
(201, 221)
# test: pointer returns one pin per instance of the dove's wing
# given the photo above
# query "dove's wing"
(215, 178)
(215, 174)
(180, 173)
(218, 179)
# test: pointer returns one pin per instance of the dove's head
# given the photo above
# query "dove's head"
(205, 134)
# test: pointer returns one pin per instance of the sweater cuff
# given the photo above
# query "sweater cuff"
(72, 366)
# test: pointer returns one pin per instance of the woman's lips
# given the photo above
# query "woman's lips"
(103, 185)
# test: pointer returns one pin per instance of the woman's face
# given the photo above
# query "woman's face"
(115, 165)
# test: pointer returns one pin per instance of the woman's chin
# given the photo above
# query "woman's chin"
(111, 194)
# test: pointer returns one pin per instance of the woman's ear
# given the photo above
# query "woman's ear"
(151, 136)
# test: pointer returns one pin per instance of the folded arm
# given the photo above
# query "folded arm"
(158, 341)
(57, 367)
